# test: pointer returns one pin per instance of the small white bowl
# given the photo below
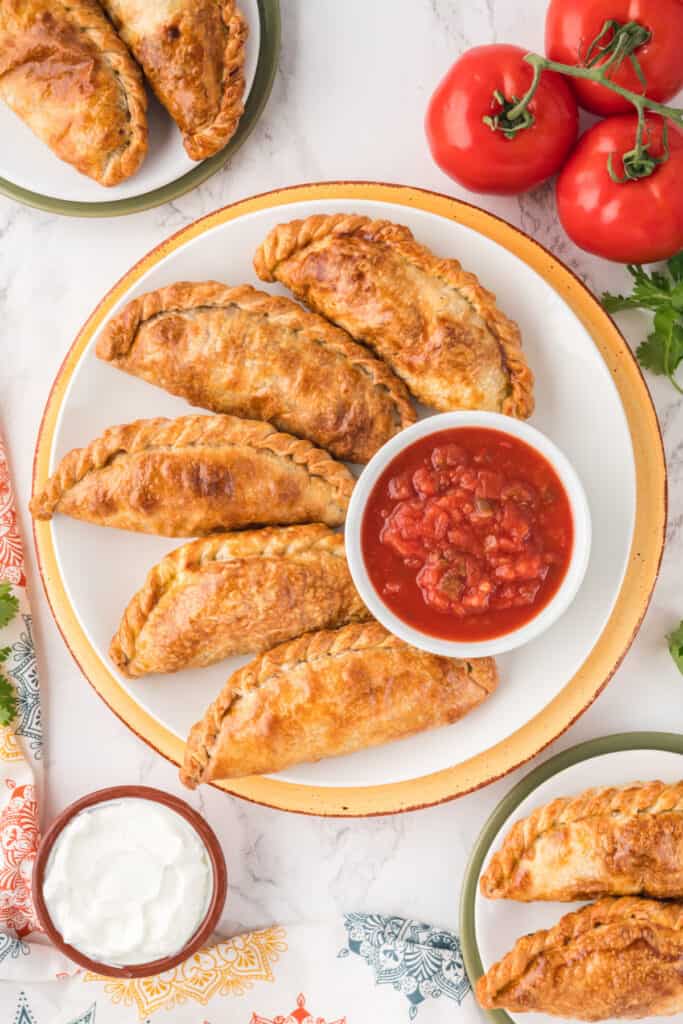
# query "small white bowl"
(580, 549)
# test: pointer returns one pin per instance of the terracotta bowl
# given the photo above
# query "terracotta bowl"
(216, 859)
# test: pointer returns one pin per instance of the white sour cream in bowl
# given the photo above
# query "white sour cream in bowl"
(129, 881)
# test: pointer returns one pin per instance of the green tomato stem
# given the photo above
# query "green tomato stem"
(622, 40)
(595, 74)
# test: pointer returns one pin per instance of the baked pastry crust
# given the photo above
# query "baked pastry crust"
(329, 693)
(242, 351)
(435, 325)
(196, 475)
(192, 52)
(603, 842)
(65, 72)
(236, 593)
(618, 958)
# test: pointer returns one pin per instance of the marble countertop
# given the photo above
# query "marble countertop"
(348, 103)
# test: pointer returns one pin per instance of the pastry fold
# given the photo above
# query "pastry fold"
(604, 842)
(235, 594)
(196, 475)
(329, 693)
(618, 958)
(65, 72)
(241, 351)
(433, 323)
(192, 52)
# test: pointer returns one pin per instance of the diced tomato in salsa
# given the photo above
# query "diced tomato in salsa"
(467, 534)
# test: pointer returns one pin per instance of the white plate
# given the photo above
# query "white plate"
(28, 163)
(499, 923)
(577, 407)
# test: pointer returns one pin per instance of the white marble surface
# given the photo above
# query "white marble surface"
(348, 103)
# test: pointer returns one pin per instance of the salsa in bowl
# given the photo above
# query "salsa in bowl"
(468, 534)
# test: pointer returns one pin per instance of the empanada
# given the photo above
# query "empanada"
(329, 693)
(192, 52)
(196, 475)
(435, 325)
(235, 593)
(604, 842)
(618, 958)
(66, 73)
(241, 351)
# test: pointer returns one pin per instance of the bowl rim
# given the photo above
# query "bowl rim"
(214, 852)
(578, 563)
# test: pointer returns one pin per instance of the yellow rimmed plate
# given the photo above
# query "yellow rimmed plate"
(591, 399)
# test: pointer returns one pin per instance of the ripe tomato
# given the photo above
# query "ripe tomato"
(634, 222)
(572, 25)
(484, 160)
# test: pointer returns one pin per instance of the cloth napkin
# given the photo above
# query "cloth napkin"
(358, 969)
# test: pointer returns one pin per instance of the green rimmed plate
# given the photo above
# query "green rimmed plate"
(489, 928)
(31, 174)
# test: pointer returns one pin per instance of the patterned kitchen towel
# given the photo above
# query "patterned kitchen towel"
(362, 968)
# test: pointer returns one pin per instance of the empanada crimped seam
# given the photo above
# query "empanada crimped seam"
(207, 140)
(626, 909)
(649, 798)
(309, 648)
(187, 431)
(125, 161)
(269, 542)
(120, 333)
(286, 239)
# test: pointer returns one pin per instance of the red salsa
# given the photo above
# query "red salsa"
(467, 534)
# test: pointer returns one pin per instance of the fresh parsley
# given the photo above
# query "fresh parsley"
(9, 607)
(675, 641)
(661, 292)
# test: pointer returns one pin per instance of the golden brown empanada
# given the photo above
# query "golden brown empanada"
(236, 593)
(616, 958)
(66, 73)
(604, 842)
(196, 475)
(438, 329)
(192, 52)
(241, 351)
(329, 693)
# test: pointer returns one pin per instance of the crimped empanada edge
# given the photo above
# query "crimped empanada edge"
(637, 798)
(609, 910)
(187, 431)
(307, 648)
(286, 239)
(210, 138)
(269, 542)
(128, 158)
(119, 335)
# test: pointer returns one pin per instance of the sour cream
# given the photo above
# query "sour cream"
(127, 882)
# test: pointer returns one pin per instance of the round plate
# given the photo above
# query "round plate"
(32, 174)
(588, 385)
(489, 928)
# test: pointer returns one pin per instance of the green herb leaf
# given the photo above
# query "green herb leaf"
(661, 292)
(675, 641)
(8, 701)
(675, 266)
(650, 291)
(9, 605)
(650, 354)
